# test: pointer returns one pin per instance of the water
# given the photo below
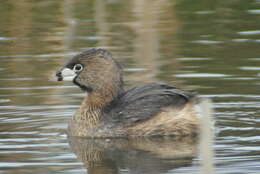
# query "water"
(207, 46)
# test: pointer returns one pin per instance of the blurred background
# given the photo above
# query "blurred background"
(208, 46)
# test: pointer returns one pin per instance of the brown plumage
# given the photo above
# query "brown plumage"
(110, 111)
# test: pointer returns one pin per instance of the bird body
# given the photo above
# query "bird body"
(108, 110)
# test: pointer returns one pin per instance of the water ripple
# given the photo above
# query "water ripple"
(201, 75)
(253, 32)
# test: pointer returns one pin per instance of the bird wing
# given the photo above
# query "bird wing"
(142, 102)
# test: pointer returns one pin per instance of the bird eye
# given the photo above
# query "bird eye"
(77, 67)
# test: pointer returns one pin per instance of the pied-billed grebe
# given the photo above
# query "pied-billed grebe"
(110, 111)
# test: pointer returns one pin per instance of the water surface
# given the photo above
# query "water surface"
(207, 46)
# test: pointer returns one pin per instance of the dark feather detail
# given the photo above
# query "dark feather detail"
(142, 102)
(82, 87)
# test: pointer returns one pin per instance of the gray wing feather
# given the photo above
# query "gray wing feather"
(142, 102)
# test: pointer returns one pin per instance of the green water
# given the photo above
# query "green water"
(208, 46)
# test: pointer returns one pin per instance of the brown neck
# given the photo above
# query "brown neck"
(93, 105)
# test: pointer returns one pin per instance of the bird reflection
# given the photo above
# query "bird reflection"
(135, 155)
